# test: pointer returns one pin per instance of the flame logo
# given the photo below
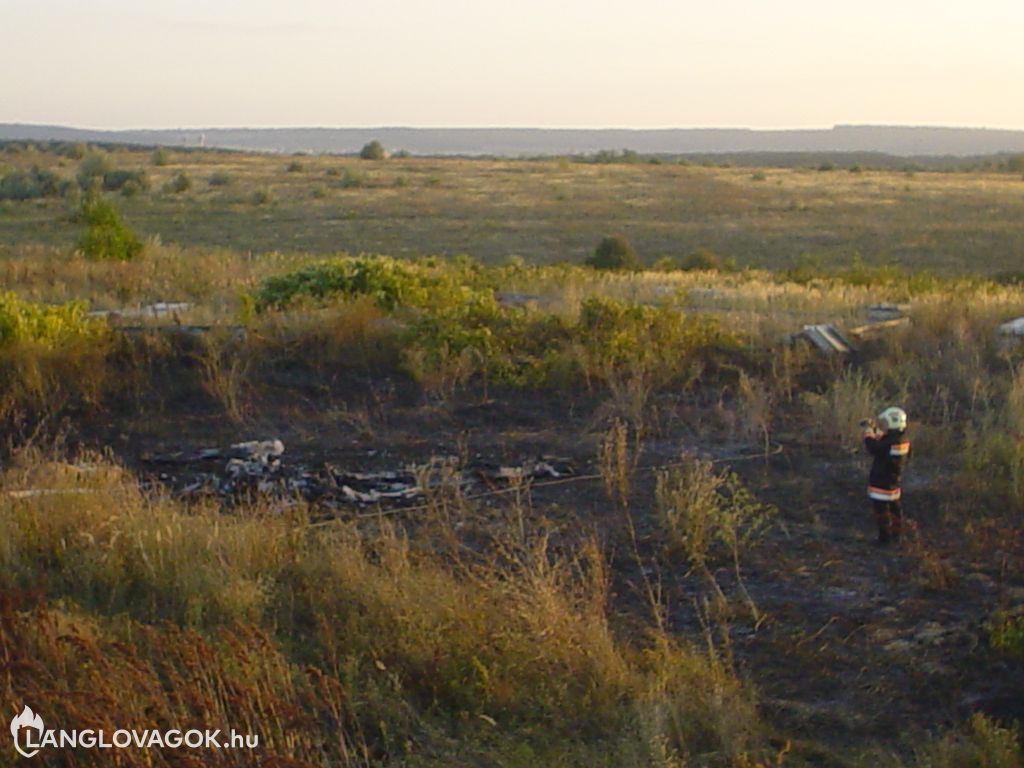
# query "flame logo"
(27, 719)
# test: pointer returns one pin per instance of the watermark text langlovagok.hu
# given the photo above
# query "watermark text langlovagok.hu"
(31, 736)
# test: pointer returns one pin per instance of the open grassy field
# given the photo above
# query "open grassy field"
(522, 512)
(549, 211)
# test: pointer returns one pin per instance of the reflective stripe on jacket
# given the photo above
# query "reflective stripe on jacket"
(884, 494)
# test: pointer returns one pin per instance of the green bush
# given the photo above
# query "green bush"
(47, 325)
(118, 179)
(261, 197)
(614, 253)
(161, 157)
(106, 237)
(28, 185)
(654, 341)
(373, 151)
(389, 282)
(295, 166)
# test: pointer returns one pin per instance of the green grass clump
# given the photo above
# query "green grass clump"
(984, 744)
(1006, 633)
(45, 325)
(50, 357)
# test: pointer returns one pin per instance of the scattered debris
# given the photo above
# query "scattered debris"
(236, 332)
(28, 493)
(881, 313)
(1011, 333)
(258, 467)
(826, 338)
(159, 310)
(510, 299)
(871, 329)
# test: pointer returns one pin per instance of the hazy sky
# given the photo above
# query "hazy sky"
(557, 63)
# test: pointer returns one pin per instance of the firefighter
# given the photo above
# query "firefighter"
(889, 447)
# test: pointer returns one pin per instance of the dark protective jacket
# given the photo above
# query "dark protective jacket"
(890, 453)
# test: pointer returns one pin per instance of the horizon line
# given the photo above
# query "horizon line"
(652, 129)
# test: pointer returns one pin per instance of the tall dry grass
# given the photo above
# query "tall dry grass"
(403, 648)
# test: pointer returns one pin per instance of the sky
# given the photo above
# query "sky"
(537, 63)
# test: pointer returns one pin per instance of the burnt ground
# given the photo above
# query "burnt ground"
(860, 647)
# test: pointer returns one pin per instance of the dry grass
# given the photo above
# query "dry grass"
(549, 211)
(395, 640)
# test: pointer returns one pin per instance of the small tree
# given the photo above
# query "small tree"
(106, 237)
(92, 169)
(373, 151)
(614, 252)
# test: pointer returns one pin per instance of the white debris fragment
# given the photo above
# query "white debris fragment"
(1012, 328)
(157, 310)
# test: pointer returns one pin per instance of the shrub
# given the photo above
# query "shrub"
(614, 253)
(295, 166)
(115, 180)
(261, 197)
(161, 157)
(131, 188)
(50, 355)
(180, 183)
(92, 169)
(707, 515)
(388, 282)
(28, 185)
(50, 326)
(219, 179)
(701, 260)
(373, 151)
(106, 237)
(353, 179)
(71, 151)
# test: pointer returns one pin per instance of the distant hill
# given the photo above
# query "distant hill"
(904, 141)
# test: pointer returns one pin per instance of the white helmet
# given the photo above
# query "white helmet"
(893, 419)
